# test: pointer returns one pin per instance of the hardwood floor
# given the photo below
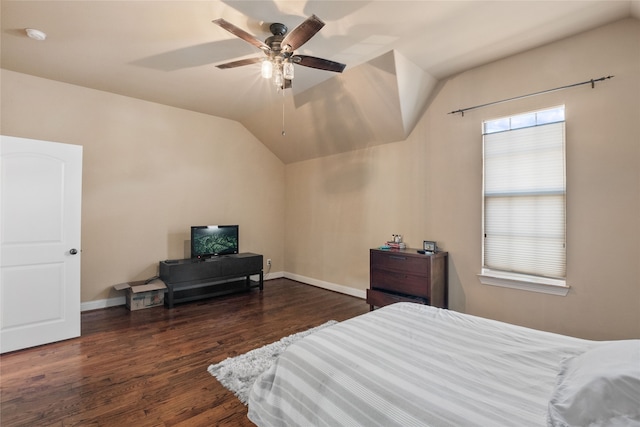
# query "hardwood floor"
(149, 367)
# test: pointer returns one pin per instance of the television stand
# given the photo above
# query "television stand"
(195, 279)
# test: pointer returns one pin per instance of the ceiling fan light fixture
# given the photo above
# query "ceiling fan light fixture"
(267, 69)
(278, 79)
(287, 70)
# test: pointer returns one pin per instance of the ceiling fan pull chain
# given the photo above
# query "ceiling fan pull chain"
(283, 133)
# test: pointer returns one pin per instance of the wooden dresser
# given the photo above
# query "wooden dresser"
(406, 275)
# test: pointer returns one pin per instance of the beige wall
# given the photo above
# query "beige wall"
(428, 187)
(149, 173)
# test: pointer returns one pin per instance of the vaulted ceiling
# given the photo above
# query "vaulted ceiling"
(396, 53)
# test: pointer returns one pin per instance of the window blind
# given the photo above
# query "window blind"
(525, 196)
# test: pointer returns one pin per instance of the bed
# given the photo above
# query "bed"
(414, 365)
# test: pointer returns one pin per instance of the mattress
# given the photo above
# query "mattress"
(414, 365)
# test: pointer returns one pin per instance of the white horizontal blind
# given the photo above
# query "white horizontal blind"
(525, 193)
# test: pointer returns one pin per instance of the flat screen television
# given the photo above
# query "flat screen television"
(213, 240)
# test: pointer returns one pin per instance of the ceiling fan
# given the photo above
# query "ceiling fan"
(280, 50)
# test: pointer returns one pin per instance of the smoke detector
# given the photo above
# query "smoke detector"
(36, 34)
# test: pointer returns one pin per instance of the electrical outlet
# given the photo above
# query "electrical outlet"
(269, 261)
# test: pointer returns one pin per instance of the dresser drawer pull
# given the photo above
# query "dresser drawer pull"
(401, 258)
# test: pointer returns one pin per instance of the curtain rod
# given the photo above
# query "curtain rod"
(592, 82)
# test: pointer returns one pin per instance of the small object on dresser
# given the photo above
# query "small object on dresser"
(429, 246)
(394, 245)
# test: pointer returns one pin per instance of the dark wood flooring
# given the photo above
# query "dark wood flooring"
(149, 367)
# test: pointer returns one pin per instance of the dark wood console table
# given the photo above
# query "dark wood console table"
(191, 279)
(406, 275)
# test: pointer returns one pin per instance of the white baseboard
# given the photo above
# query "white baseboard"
(359, 293)
(102, 303)
(273, 275)
(269, 276)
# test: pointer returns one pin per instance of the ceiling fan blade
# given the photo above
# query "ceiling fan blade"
(303, 32)
(319, 63)
(239, 63)
(239, 32)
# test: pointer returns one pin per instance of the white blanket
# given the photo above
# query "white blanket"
(414, 365)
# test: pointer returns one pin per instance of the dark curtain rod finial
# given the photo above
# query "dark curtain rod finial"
(592, 82)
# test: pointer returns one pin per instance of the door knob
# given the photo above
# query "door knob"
(73, 251)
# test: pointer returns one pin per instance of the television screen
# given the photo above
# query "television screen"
(211, 240)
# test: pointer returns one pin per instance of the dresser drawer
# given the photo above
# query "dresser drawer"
(400, 283)
(419, 264)
(380, 299)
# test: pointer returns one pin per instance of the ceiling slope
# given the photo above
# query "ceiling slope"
(374, 103)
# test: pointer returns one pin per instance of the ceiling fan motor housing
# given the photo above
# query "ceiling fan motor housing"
(275, 43)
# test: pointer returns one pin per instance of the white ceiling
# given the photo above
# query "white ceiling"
(166, 51)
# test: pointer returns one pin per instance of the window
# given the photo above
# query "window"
(525, 201)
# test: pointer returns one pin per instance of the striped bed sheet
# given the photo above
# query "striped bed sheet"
(414, 365)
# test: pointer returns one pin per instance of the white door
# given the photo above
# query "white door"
(40, 206)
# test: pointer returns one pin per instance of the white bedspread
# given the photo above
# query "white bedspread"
(414, 365)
